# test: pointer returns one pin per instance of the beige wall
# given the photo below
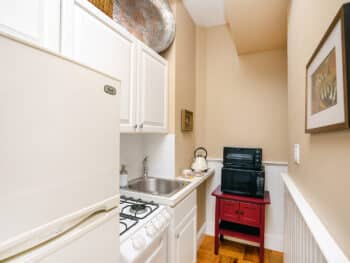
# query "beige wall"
(323, 174)
(182, 93)
(182, 78)
(170, 55)
(207, 77)
(241, 100)
(185, 85)
(182, 66)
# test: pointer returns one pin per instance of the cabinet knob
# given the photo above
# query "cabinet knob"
(135, 126)
(177, 236)
(141, 125)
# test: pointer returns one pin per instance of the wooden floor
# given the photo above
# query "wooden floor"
(232, 252)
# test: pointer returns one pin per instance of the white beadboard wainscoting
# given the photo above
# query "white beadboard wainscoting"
(306, 238)
(274, 213)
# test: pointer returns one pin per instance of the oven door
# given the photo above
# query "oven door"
(160, 253)
(238, 181)
(146, 249)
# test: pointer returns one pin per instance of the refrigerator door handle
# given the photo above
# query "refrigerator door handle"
(62, 226)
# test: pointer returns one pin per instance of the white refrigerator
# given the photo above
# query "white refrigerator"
(59, 159)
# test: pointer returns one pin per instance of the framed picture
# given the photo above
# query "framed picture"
(186, 120)
(327, 73)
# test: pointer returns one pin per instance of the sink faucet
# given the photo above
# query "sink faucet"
(145, 166)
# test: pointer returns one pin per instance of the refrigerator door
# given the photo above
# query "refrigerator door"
(94, 240)
(59, 138)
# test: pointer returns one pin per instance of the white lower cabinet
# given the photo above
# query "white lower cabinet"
(185, 239)
(183, 231)
(35, 21)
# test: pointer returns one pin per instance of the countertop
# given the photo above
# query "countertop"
(173, 200)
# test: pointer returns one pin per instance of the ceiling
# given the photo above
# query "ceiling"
(206, 13)
(255, 25)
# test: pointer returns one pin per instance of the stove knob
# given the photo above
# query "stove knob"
(162, 220)
(138, 242)
(166, 215)
(157, 223)
(151, 230)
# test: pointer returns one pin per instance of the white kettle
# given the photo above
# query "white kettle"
(200, 160)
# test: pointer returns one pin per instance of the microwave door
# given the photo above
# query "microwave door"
(240, 156)
(238, 182)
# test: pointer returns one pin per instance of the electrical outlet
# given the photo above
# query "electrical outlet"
(297, 153)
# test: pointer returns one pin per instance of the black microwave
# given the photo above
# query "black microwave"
(247, 182)
(242, 158)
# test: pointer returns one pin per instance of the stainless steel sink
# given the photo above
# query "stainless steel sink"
(156, 186)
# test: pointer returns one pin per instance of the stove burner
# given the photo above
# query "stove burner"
(125, 223)
(138, 209)
(132, 211)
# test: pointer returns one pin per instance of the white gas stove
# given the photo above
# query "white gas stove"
(143, 231)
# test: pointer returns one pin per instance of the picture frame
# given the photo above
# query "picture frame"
(327, 78)
(186, 120)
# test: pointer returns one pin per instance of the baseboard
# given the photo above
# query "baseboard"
(274, 242)
(200, 234)
(210, 231)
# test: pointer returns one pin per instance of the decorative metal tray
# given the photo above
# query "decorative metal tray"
(151, 21)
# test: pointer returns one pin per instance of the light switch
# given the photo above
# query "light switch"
(297, 153)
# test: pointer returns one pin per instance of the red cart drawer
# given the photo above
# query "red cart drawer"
(229, 210)
(249, 214)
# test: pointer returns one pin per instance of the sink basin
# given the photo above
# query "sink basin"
(156, 186)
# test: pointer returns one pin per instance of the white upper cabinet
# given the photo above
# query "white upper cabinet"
(92, 38)
(153, 91)
(35, 21)
(80, 31)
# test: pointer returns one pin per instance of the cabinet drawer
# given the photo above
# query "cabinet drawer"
(229, 210)
(249, 214)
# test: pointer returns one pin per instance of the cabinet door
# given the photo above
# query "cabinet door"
(249, 214)
(153, 88)
(229, 210)
(35, 21)
(186, 239)
(92, 38)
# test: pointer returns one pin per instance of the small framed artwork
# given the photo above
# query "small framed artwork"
(186, 120)
(327, 78)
